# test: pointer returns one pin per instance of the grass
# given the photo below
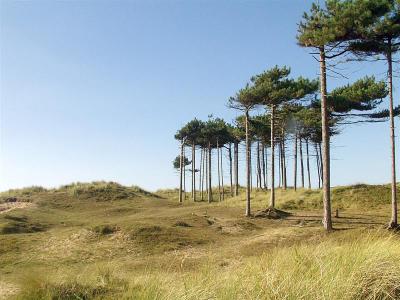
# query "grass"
(106, 241)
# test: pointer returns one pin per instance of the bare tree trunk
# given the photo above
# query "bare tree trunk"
(258, 165)
(222, 176)
(321, 163)
(301, 162)
(201, 173)
(248, 171)
(295, 163)
(325, 140)
(209, 174)
(193, 172)
(272, 200)
(219, 172)
(184, 173)
(263, 165)
(318, 166)
(280, 163)
(284, 177)
(207, 171)
(230, 168)
(393, 222)
(308, 165)
(181, 173)
(251, 169)
(266, 168)
(236, 165)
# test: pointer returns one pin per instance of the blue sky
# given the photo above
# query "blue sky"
(95, 90)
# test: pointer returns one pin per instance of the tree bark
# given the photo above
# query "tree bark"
(222, 176)
(263, 165)
(279, 164)
(301, 162)
(236, 165)
(318, 165)
(321, 162)
(308, 165)
(184, 174)
(248, 209)
(206, 165)
(266, 168)
(251, 167)
(209, 173)
(230, 168)
(272, 200)
(219, 172)
(181, 173)
(325, 143)
(284, 177)
(295, 163)
(201, 173)
(393, 222)
(193, 172)
(258, 165)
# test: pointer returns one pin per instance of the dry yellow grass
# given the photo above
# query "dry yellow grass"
(111, 242)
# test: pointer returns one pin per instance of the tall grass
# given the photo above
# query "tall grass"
(342, 265)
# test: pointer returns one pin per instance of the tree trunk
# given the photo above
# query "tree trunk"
(236, 165)
(181, 173)
(258, 165)
(266, 168)
(393, 222)
(279, 164)
(193, 172)
(325, 141)
(209, 173)
(295, 163)
(230, 168)
(201, 173)
(284, 177)
(219, 172)
(318, 165)
(251, 168)
(321, 163)
(272, 200)
(263, 165)
(308, 165)
(301, 162)
(222, 175)
(184, 174)
(248, 212)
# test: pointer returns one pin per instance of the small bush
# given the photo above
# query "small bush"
(105, 229)
(182, 224)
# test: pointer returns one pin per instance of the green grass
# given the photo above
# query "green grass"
(106, 241)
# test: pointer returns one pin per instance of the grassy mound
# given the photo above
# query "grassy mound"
(24, 194)
(160, 239)
(103, 191)
(272, 213)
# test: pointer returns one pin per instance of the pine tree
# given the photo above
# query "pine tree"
(328, 30)
(245, 100)
(274, 88)
(382, 38)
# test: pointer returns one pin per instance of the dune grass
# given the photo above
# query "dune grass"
(348, 266)
(86, 241)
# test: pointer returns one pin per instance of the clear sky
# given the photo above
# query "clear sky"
(95, 90)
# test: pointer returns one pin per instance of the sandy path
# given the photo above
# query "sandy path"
(6, 207)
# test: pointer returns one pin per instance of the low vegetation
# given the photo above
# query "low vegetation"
(86, 245)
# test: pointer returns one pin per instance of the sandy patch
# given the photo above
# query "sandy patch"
(6, 207)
